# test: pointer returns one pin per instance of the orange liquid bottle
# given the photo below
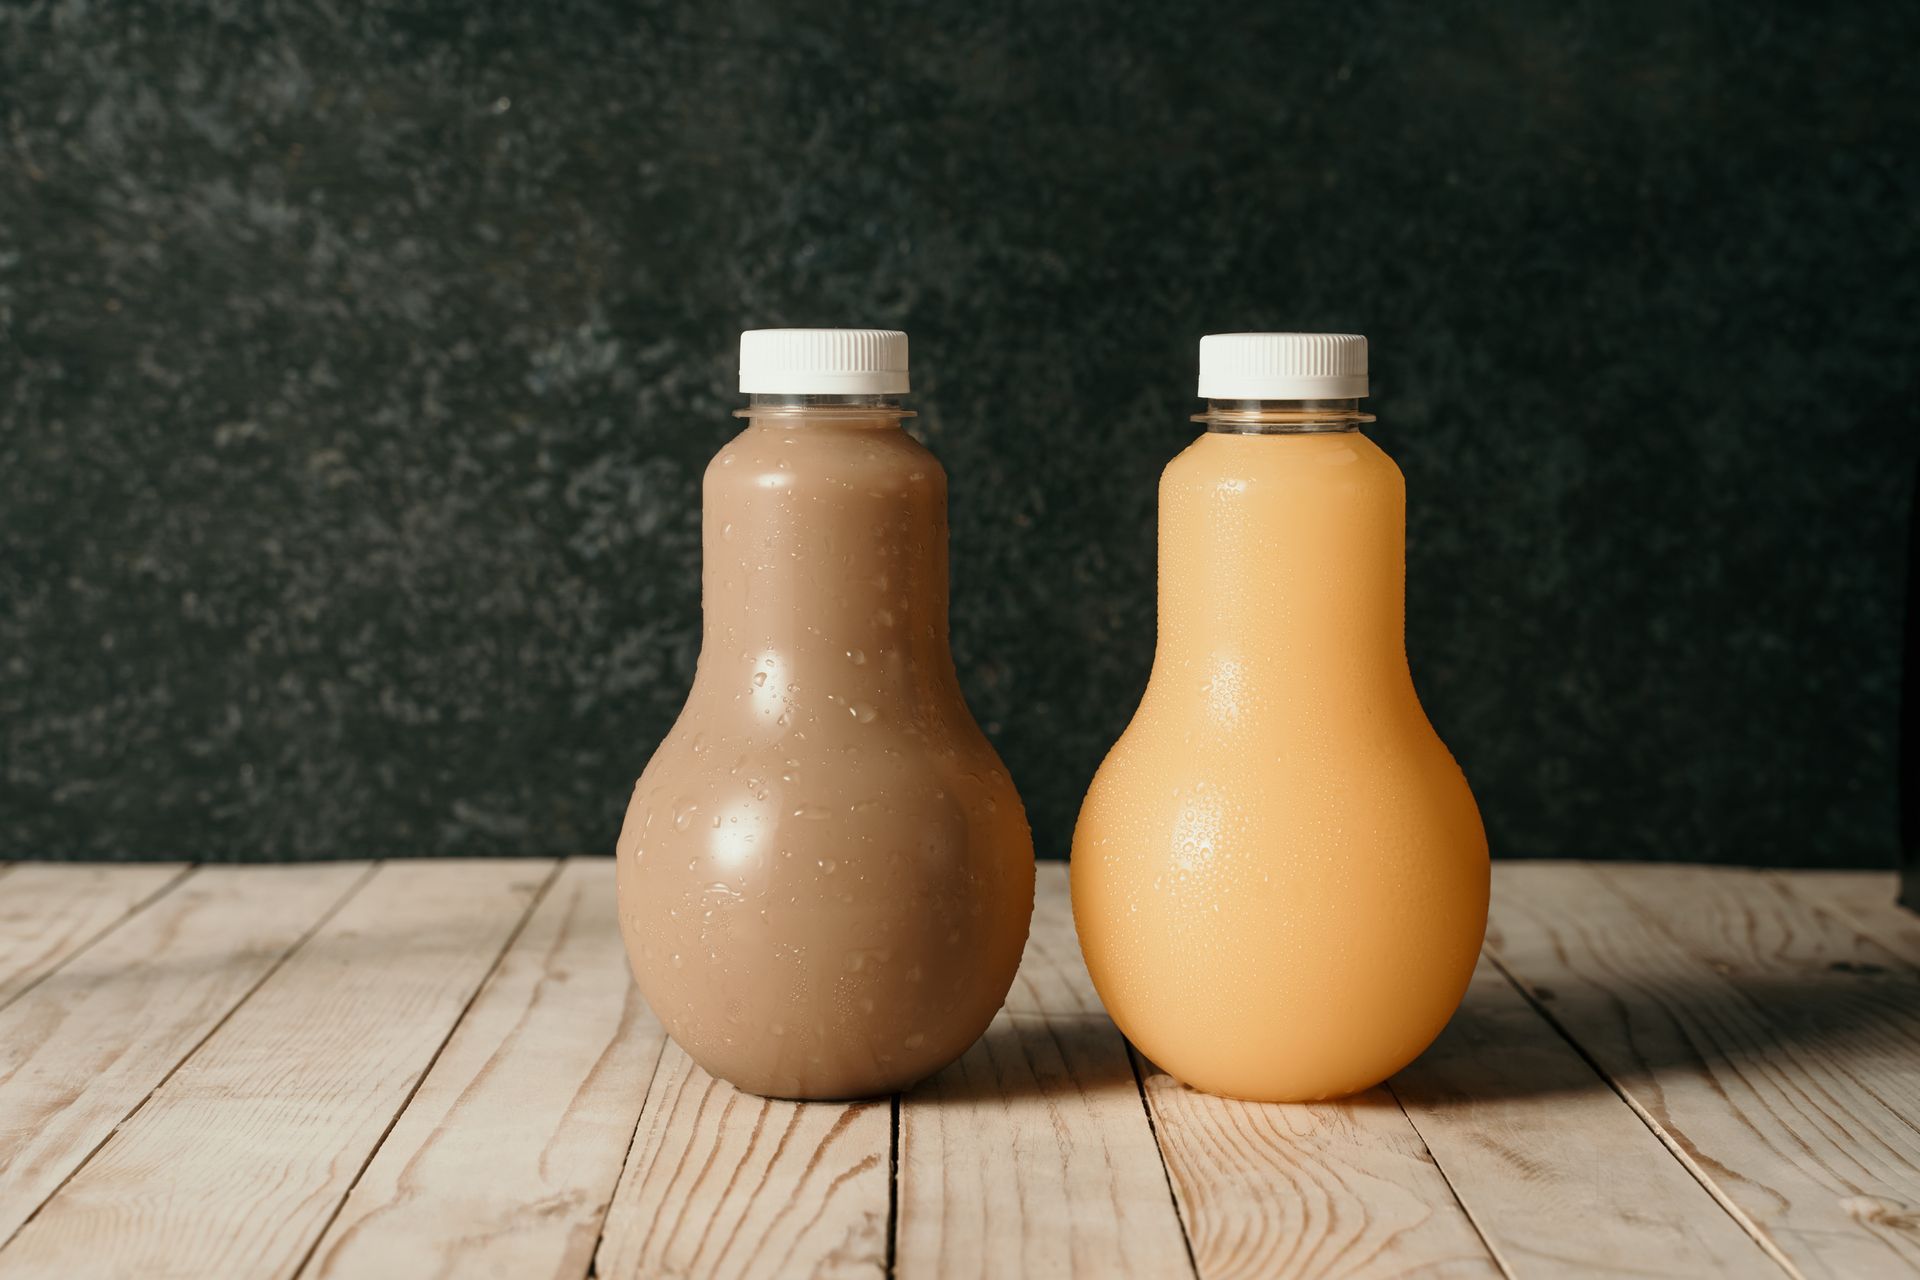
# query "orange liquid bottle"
(1279, 874)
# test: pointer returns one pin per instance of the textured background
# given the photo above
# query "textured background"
(357, 368)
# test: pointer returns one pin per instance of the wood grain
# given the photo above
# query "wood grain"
(236, 1163)
(1561, 1176)
(1821, 981)
(725, 1184)
(1759, 1041)
(1328, 1189)
(189, 1088)
(505, 1161)
(83, 1048)
(1033, 1154)
(1866, 900)
(48, 912)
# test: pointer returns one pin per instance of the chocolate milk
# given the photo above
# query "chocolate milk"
(825, 874)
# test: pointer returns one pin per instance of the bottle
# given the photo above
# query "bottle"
(825, 873)
(1279, 875)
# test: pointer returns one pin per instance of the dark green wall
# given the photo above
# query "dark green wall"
(357, 368)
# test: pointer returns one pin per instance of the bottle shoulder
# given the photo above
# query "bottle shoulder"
(776, 454)
(1219, 458)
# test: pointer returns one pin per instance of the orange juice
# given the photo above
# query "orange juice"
(1279, 874)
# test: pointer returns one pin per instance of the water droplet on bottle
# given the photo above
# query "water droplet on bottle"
(858, 657)
(863, 712)
(915, 1040)
(676, 961)
(759, 679)
(811, 811)
(827, 865)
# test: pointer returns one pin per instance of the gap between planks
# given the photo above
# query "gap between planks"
(441, 918)
(533, 906)
(1046, 991)
(1672, 1236)
(129, 1027)
(68, 908)
(504, 1159)
(1139, 1066)
(1769, 1043)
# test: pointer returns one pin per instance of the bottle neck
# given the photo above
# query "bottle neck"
(1282, 417)
(1282, 561)
(873, 410)
(825, 551)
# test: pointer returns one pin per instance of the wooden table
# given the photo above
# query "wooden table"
(424, 1068)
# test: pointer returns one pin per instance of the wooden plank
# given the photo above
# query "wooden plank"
(236, 1163)
(505, 1161)
(1819, 980)
(48, 912)
(1033, 1155)
(725, 1184)
(83, 1048)
(1866, 900)
(1561, 1176)
(1753, 928)
(1760, 1042)
(1325, 1189)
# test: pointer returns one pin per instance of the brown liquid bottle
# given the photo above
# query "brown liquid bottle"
(825, 874)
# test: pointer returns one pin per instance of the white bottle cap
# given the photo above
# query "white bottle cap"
(801, 362)
(1283, 366)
